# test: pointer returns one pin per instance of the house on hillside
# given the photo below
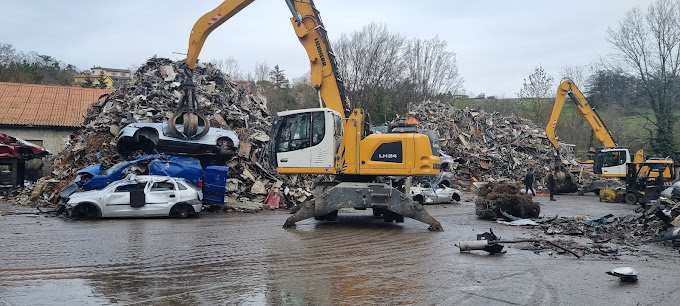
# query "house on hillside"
(118, 76)
(82, 79)
(44, 114)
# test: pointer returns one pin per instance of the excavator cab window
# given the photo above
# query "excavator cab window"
(294, 133)
(318, 127)
(300, 131)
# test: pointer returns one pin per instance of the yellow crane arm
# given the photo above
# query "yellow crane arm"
(309, 30)
(209, 22)
(324, 72)
(568, 88)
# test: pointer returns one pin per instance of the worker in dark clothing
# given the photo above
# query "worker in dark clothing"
(529, 182)
(551, 184)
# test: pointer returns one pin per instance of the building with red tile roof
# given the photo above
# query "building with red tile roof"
(44, 114)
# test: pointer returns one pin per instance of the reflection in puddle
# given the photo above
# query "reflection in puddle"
(52, 292)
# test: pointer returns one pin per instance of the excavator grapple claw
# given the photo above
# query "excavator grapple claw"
(187, 123)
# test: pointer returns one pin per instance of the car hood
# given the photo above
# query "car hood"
(93, 169)
(82, 194)
(11, 146)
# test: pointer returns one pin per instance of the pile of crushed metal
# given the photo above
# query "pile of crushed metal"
(609, 235)
(487, 146)
(496, 199)
(151, 96)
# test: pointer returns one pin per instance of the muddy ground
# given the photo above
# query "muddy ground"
(234, 258)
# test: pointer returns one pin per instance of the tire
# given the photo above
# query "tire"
(456, 198)
(85, 211)
(182, 211)
(225, 146)
(631, 198)
(419, 199)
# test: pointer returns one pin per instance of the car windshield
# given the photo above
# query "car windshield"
(114, 168)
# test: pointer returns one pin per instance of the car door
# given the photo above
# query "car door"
(118, 200)
(161, 196)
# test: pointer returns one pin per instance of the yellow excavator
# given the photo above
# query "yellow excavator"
(332, 139)
(610, 161)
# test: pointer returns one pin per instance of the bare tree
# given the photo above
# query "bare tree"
(262, 71)
(649, 50)
(370, 63)
(431, 68)
(7, 54)
(229, 66)
(578, 73)
(537, 94)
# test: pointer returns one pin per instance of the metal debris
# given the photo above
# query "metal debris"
(151, 96)
(487, 146)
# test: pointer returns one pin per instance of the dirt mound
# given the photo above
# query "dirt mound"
(505, 196)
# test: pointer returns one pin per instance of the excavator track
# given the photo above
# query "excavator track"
(380, 197)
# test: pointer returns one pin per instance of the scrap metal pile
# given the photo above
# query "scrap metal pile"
(487, 146)
(150, 97)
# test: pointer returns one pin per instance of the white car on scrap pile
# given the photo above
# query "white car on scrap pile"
(138, 196)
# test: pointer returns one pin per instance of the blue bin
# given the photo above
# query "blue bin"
(215, 184)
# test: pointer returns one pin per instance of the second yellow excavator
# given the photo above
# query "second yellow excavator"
(334, 140)
(610, 161)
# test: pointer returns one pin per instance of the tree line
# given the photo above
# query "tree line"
(33, 68)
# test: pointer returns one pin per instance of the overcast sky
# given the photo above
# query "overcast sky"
(498, 43)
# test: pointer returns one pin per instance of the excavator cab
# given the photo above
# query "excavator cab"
(611, 162)
(306, 139)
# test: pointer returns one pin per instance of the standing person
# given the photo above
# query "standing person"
(529, 182)
(551, 184)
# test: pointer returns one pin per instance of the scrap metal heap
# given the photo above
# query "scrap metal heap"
(487, 146)
(150, 97)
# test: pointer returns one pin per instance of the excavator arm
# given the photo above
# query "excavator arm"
(209, 22)
(568, 88)
(324, 74)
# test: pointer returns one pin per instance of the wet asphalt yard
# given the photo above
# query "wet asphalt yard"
(234, 258)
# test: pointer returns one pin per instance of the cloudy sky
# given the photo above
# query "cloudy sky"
(498, 42)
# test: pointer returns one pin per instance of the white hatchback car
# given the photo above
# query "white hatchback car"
(424, 194)
(138, 196)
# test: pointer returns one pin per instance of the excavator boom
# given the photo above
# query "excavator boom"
(209, 22)
(568, 88)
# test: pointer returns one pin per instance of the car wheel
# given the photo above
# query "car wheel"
(183, 213)
(85, 211)
(419, 199)
(225, 146)
(456, 198)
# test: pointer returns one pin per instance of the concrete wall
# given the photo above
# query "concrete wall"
(53, 138)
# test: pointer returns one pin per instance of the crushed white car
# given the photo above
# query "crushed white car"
(138, 196)
(424, 194)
